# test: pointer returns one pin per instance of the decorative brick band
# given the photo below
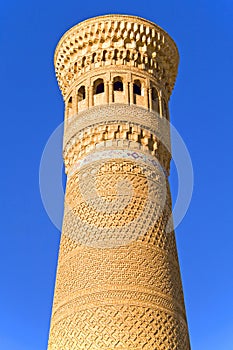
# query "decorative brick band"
(116, 154)
(117, 113)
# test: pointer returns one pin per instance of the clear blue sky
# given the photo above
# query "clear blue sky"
(32, 107)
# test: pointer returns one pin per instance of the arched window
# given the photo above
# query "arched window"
(115, 54)
(70, 102)
(75, 68)
(137, 87)
(139, 60)
(93, 57)
(128, 56)
(155, 99)
(118, 84)
(104, 55)
(81, 93)
(83, 61)
(69, 107)
(154, 94)
(98, 86)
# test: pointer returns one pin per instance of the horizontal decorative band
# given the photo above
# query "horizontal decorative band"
(116, 154)
(118, 297)
(117, 113)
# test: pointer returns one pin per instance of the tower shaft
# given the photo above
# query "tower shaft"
(118, 282)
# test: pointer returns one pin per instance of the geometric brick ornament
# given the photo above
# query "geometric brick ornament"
(118, 282)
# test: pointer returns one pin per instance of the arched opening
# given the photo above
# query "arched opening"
(118, 84)
(83, 62)
(118, 88)
(104, 55)
(139, 60)
(128, 56)
(70, 102)
(69, 107)
(98, 92)
(139, 97)
(93, 58)
(154, 94)
(81, 93)
(98, 86)
(155, 99)
(137, 87)
(75, 68)
(115, 55)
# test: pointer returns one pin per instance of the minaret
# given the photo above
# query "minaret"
(118, 281)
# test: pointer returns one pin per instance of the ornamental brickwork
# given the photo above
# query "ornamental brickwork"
(118, 281)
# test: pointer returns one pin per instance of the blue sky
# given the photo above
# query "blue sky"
(32, 107)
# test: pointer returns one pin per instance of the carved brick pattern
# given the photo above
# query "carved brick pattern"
(137, 268)
(118, 282)
(144, 272)
(116, 40)
(117, 113)
(107, 195)
(138, 328)
(87, 140)
(118, 116)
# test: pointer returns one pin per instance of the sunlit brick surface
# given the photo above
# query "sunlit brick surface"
(118, 282)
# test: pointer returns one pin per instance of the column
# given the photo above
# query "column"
(74, 103)
(110, 92)
(150, 99)
(106, 92)
(160, 104)
(91, 95)
(131, 99)
(126, 86)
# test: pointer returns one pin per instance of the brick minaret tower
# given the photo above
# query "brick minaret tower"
(118, 282)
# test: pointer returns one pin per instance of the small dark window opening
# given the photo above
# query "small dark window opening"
(137, 87)
(98, 86)
(70, 102)
(139, 60)
(83, 61)
(154, 94)
(104, 55)
(81, 93)
(128, 56)
(75, 67)
(115, 54)
(93, 58)
(118, 84)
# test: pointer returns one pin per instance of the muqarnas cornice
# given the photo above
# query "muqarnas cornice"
(115, 40)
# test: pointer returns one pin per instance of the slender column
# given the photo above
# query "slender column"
(91, 97)
(131, 93)
(106, 91)
(87, 97)
(150, 99)
(110, 92)
(126, 87)
(160, 104)
(75, 103)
